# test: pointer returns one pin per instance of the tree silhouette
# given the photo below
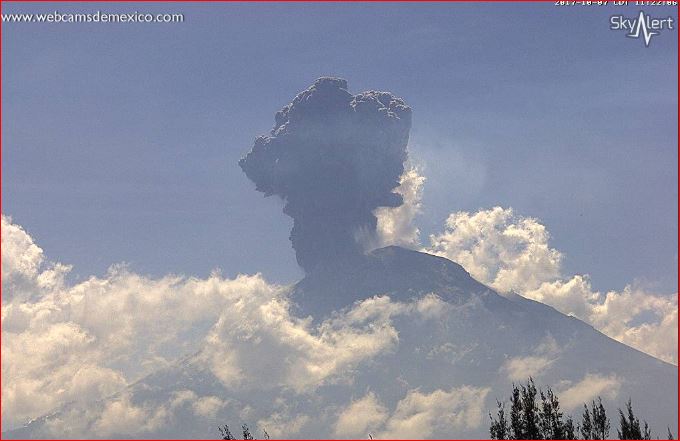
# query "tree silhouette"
(600, 421)
(586, 427)
(630, 425)
(531, 418)
(550, 417)
(246, 432)
(516, 425)
(499, 428)
(569, 429)
(225, 432)
(247, 435)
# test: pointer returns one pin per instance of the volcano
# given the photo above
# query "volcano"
(391, 343)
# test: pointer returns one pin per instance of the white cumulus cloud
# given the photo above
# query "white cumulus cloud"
(512, 253)
(533, 365)
(590, 387)
(418, 415)
(86, 341)
(396, 226)
(422, 415)
(248, 340)
(361, 417)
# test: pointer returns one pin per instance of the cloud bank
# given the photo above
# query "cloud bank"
(91, 340)
(334, 158)
(511, 253)
(85, 341)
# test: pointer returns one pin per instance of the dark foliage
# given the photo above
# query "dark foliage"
(531, 418)
(246, 432)
(225, 433)
(600, 421)
(586, 427)
(629, 425)
(499, 428)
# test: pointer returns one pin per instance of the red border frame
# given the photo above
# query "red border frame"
(284, 1)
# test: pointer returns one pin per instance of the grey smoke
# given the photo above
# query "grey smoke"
(333, 157)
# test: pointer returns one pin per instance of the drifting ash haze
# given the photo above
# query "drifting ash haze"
(395, 343)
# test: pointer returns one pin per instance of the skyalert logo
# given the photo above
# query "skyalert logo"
(643, 26)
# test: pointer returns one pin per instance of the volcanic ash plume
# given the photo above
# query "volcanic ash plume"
(333, 157)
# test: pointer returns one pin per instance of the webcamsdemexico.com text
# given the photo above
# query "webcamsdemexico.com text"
(96, 17)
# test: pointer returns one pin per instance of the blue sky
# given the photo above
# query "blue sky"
(121, 141)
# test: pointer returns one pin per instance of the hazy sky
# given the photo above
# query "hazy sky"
(121, 141)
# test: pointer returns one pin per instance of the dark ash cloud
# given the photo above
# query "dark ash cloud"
(333, 157)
